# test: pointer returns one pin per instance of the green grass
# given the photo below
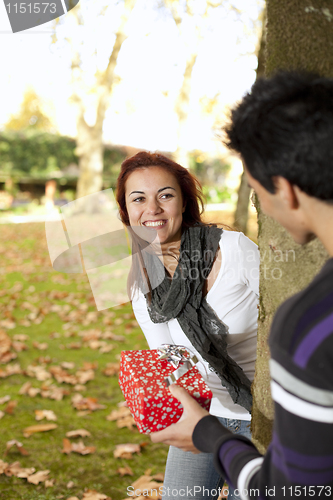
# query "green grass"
(27, 277)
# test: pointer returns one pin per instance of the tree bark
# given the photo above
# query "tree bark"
(89, 143)
(241, 216)
(299, 36)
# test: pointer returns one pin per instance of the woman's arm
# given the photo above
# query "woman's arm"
(249, 263)
(155, 333)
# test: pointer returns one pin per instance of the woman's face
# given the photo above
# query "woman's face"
(154, 200)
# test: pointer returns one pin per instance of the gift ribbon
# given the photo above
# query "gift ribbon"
(178, 357)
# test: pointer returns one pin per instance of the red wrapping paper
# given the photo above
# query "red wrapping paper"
(141, 379)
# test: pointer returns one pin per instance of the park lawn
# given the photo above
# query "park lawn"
(54, 309)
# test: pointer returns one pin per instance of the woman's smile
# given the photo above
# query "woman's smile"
(154, 200)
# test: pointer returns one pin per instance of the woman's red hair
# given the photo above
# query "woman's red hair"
(189, 185)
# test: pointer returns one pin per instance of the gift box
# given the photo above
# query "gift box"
(143, 379)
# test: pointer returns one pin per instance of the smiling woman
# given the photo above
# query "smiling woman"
(206, 299)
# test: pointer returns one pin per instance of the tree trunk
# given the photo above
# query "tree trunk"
(242, 209)
(299, 36)
(182, 109)
(90, 146)
(241, 216)
(90, 152)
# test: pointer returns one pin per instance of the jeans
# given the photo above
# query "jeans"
(194, 476)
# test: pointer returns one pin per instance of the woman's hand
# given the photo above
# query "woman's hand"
(180, 434)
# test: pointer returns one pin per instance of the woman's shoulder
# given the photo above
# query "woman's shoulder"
(236, 239)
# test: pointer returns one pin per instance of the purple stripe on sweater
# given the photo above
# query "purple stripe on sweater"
(300, 459)
(313, 340)
(229, 450)
(302, 477)
(311, 315)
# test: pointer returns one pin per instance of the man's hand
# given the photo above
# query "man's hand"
(180, 434)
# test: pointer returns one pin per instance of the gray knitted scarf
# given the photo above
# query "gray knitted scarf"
(182, 297)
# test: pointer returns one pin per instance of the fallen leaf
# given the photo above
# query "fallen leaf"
(25, 472)
(38, 477)
(49, 483)
(4, 399)
(41, 346)
(125, 471)
(83, 376)
(111, 369)
(67, 446)
(78, 433)
(18, 445)
(13, 469)
(1, 414)
(112, 336)
(67, 365)
(107, 348)
(81, 403)
(79, 447)
(10, 407)
(21, 337)
(19, 346)
(126, 450)
(70, 484)
(94, 495)
(38, 428)
(123, 417)
(48, 414)
(3, 466)
(38, 372)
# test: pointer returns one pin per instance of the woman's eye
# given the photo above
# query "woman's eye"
(138, 199)
(167, 195)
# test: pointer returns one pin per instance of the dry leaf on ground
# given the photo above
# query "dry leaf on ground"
(123, 417)
(148, 487)
(126, 450)
(81, 403)
(38, 428)
(18, 445)
(111, 369)
(3, 466)
(25, 472)
(4, 399)
(48, 414)
(10, 407)
(79, 447)
(78, 433)
(41, 346)
(38, 477)
(125, 471)
(12, 469)
(94, 495)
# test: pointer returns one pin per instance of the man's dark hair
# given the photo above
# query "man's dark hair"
(284, 127)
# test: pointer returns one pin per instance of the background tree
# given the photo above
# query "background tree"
(299, 36)
(31, 115)
(241, 216)
(92, 87)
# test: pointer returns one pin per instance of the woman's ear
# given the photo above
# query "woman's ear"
(184, 207)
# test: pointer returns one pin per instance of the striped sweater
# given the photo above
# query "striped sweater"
(299, 460)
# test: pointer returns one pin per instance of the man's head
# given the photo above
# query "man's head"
(284, 128)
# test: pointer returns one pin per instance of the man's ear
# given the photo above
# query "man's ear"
(286, 191)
